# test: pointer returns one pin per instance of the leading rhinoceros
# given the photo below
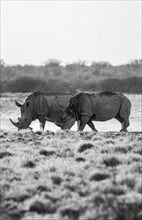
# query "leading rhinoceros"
(42, 106)
(101, 106)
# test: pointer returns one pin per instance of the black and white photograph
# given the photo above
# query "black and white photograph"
(70, 109)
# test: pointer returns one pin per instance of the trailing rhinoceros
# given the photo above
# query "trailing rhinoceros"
(101, 106)
(42, 106)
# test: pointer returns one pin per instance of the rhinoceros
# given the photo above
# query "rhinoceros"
(100, 106)
(42, 106)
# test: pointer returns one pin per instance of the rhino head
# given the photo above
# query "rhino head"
(68, 120)
(26, 115)
(69, 117)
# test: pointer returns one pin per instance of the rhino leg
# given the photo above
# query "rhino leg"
(84, 120)
(124, 122)
(91, 125)
(78, 124)
(125, 125)
(124, 113)
(42, 121)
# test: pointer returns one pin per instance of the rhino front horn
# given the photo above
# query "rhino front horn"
(15, 123)
(18, 104)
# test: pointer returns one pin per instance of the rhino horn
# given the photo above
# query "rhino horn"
(15, 123)
(18, 104)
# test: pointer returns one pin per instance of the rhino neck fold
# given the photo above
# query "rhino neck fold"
(33, 111)
(34, 115)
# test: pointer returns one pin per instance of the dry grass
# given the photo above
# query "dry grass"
(70, 176)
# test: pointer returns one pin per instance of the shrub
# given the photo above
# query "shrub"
(28, 164)
(3, 86)
(129, 85)
(111, 161)
(30, 84)
(84, 147)
(82, 82)
(23, 84)
(99, 176)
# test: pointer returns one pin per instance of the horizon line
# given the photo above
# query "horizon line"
(63, 63)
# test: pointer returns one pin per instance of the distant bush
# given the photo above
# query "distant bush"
(53, 68)
(53, 63)
(3, 86)
(128, 85)
(135, 64)
(30, 84)
(53, 76)
(100, 65)
(24, 84)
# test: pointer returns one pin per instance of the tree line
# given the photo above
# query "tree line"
(52, 75)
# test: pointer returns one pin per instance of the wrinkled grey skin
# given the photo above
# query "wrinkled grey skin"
(102, 106)
(41, 106)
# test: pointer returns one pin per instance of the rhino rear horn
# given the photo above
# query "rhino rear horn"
(18, 104)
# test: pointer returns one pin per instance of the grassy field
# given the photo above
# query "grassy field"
(70, 175)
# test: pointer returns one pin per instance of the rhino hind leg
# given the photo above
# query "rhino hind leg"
(124, 113)
(123, 118)
(124, 123)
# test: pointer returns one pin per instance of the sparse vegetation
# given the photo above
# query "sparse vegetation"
(70, 175)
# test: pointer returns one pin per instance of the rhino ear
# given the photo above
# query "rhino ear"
(18, 104)
(70, 111)
(27, 103)
(71, 103)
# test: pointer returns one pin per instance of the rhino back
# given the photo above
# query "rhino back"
(105, 106)
(99, 106)
(63, 100)
(51, 106)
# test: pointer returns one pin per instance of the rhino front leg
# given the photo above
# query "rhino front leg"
(42, 121)
(84, 120)
(78, 124)
(91, 125)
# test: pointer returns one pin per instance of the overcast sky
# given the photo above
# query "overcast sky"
(35, 31)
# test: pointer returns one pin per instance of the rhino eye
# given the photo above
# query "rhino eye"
(68, 119)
